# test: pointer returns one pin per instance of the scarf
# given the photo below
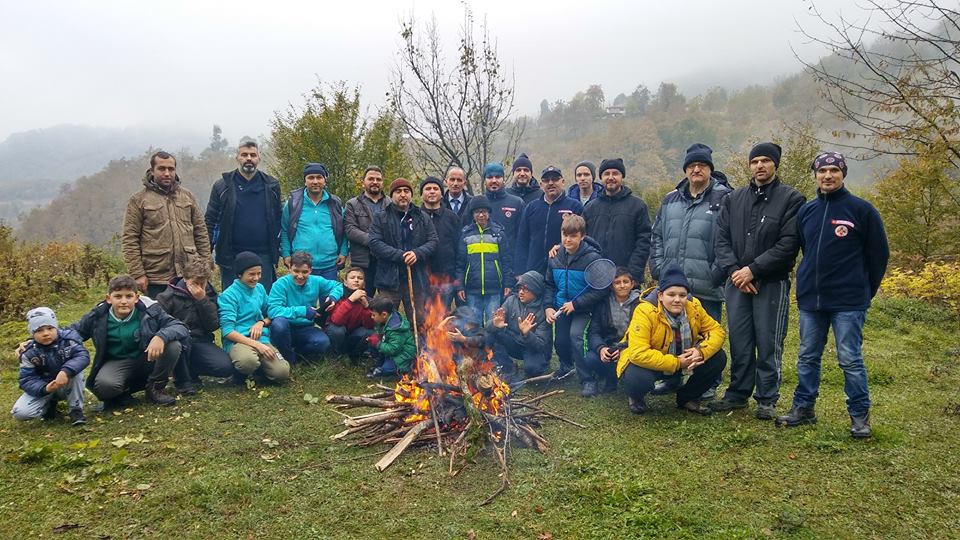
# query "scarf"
(682, 335)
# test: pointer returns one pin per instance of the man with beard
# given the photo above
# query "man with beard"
(442, 264)
(243, 214)
(524, 186)
(163, 227)
(358, 217)
(540, 224)
(312, 221)
(456, 198)
(505, 210)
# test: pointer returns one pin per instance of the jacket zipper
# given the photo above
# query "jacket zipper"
(816, 261)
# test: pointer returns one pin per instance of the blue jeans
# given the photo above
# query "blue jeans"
(848, 336)
(484, 305)
(307, 340)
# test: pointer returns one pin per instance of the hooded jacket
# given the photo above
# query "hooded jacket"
(484, 260)
(601, 332)
(40, 364)
(389, 241)
(447, 223)
(540, 230)
(528, 193)
(219, 215)
(539, 338)
(650, 335)
(620, 223)
(162, 230)
(396, 341)
(684, 231)
(201, 317)
(565, 279)
(574, 191)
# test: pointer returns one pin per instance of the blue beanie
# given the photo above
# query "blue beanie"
(767, 149)
(698, 153)
(315, 168)
(522, 161)
(492, 169)
(672, 276)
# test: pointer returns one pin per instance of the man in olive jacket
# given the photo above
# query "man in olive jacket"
(358, 217)
(163, 227)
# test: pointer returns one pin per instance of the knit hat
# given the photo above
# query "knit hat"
(533, 281)
(589, 165)
(672, 276)
(39, 317)
(315, 168)
(244, 261)
(613, 163)
(430, 180)
(479, 202)
(698, 153)
(830, 158)
(522, 161)
(767, 149)
(492, 169)
(399, 183)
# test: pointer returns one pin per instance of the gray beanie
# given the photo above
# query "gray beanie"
(39, 317)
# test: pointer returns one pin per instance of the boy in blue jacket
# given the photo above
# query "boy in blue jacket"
(51, 368)
(293, 309)
(483, 261)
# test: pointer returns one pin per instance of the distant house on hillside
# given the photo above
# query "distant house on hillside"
(614, 111)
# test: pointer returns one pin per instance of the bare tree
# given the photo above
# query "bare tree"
(453, 112)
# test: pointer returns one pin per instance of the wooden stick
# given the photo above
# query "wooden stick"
(357, 401)
(541, 397)
(413, 304)
(395, 452)
(436, 425)
(349, 431)
(374, 418)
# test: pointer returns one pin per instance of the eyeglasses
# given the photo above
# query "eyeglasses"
(523, 287)
(696, 166)
(550, 180)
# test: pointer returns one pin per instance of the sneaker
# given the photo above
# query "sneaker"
(797, 416)
(563, 372)
(77, 417)
(709, 394)
(637, 406)
(766, 412)
(860, 426)
(157, 393)
(379, 372)
(51, 411)
(666, 386)
(727, 405)
(589, 389)
(696, 407)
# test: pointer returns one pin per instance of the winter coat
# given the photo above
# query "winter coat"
(322, 236)
(845, 253)
(462, 214)
(684, 231)
(483, 260)
(447, 224)
(396, 341)
(40, 364)
(154, 321)
(162, 230)
(650, 335)
(357, 220)
(757, 227)
(528, 193)
(290, 301)
(387, 245)
(621, 225)
(540, 230)
(201, 317)
(350, 315)
(537, 340)
(241, 307)
(601, 332)
(566, 279)
(219, 216)
(506, 212)
(574, 192)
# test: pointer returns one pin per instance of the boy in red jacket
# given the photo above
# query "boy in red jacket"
(350, 323)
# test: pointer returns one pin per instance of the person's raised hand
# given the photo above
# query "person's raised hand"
(527, 323)
(196, 291)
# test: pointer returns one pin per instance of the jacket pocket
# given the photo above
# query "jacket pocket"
(155, 221)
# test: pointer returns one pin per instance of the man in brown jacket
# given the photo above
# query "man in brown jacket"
(163, 227)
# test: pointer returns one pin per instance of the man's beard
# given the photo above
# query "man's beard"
(248, 168)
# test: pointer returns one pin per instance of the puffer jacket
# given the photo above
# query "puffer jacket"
(683, 232)
(601, 332)
(650, 335)
(620, 223)
(357, 220)
(396, 341)
(162, 230)
(483, 259)
(566, 280)
(387, 244)
(219, 215)
(40, 364)
(539, 338)
(201, 317)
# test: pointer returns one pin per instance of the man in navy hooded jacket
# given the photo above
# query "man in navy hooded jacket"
(540, 223)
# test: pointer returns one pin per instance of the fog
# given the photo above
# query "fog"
(188, 64)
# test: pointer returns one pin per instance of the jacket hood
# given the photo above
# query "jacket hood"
(150, 183)
(529, 188)
(650, 295)
(717, 183)
(396, 322)
(534, 281)
(721, 178)
(623, 194)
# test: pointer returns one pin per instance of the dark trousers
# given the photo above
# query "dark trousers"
(332, 273)
(601, 371)
(153, 289)
(370, 277)
(639, 381)
(205, 358)
(269, 275)
(568, 333)
(353, 344)
(402, 296)
(758, 326)
(120, 376)
(505, 348)
(289, 339)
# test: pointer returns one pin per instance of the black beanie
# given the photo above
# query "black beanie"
(767, 149)
(430, 180)
(522, 161)
(245, 260)
(479, 202)
(613, 163)
(698, 153)
(315, 168)
(672, 276)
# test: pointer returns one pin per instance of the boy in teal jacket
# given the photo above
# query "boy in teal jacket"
(393, 339)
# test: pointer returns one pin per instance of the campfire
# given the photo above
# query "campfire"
(455, 400)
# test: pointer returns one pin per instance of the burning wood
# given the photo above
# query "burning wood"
(455, 400)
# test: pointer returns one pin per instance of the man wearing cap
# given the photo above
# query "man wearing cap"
(243, 214)
(163, 227)
(683, 234)
(505, 208)
(586, 188)
(540, 223)
(845, 255)
(619, 221)
(312, 221)
(358, 217)
(456, 198)
(402, 236)
(756, 245)
(524, 185)
(442, 264)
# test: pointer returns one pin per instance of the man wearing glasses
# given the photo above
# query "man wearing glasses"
(540, 223)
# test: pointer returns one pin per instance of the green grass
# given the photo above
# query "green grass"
(240, 463)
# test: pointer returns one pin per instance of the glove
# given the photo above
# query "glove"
(311, 313)
(374, 340)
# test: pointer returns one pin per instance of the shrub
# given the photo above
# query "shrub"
(937, 282)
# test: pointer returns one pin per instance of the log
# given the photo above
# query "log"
(395, 452)
(349, 431)
(536, 399)
(379, 395)
(356, 401)
(374, 418)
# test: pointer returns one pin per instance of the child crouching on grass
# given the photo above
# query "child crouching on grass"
(350, 323)
(51, 368)
(393, 339)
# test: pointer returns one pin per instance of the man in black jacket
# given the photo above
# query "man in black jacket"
(756, 246)
(243, 214)
(442, 264)
(524, 184)
(357, 219)
(403, 236)
(619, 221)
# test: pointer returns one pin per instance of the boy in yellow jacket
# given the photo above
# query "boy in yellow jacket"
(670, 331)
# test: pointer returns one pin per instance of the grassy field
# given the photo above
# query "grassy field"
(258, 463)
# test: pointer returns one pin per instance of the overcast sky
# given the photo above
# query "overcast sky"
(191, 64)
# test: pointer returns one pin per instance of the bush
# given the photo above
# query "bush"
(937, 282)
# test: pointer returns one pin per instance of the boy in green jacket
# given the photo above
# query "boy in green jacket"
(393, 339)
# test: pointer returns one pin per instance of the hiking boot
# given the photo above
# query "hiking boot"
(563, 372)
(589, 389)
(666, 386)
(185, 388)
(51, 411)
(860, 426)
(77, 417)
(696, 407)
(637, 406)
(797, 416)
(727, 405)
(157, 393)
(766, 412)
